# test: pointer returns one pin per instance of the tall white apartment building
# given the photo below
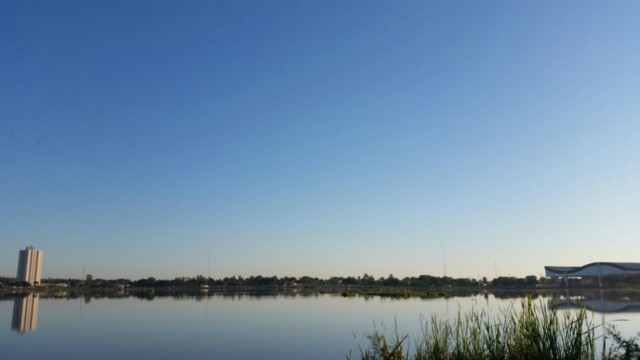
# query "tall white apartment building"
(30, 265)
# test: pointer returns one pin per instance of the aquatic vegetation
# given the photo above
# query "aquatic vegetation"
(622, 348)
(531, 332)
(394, 293)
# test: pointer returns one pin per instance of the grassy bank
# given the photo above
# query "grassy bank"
(531, 332)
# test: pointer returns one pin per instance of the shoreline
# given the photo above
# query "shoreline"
(344, 291)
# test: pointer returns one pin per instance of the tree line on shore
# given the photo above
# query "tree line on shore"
(422, 282)
(366, 280)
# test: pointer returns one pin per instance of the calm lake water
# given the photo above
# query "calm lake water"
(217, 326)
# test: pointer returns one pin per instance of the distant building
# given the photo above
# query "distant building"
(25, 313)
(595, 270)
(30, 265)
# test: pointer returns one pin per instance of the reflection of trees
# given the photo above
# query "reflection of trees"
(195, 294)
(513, 294)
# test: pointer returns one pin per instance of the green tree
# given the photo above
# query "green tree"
(531, 280)
(391, 281)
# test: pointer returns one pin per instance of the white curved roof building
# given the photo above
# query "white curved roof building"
(593, 269)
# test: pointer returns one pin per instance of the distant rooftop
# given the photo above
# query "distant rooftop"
(594, 269)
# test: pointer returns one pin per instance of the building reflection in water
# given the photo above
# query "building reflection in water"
(598, 301)
(25, 313)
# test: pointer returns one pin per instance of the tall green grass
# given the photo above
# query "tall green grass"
(529, 333)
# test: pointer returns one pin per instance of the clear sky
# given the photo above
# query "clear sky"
(319, 138)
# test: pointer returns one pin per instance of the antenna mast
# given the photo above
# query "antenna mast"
(444, 263)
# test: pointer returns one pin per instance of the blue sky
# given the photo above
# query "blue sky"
(319, 138)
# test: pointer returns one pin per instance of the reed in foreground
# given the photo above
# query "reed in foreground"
(532, 332)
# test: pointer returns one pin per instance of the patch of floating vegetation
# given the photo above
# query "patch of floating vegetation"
(395, 293)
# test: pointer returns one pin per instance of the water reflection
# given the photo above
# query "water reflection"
(600, 301)
(25, 313)
(165, 324)
(26, 306)
(199, 295)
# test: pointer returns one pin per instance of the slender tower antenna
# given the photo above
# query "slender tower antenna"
(495, 269)
(209, 268)
(444, 263)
